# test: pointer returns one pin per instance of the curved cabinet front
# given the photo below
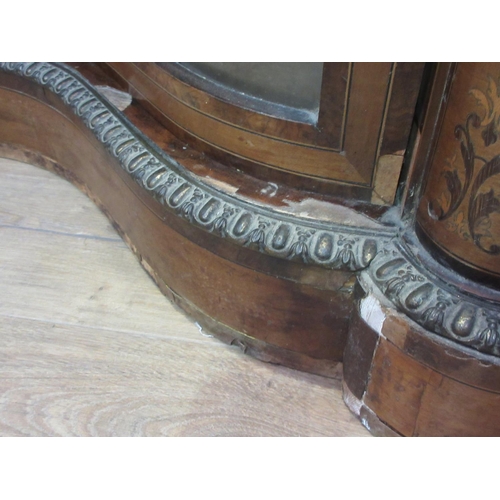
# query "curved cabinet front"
(289, 277)
(278, 286)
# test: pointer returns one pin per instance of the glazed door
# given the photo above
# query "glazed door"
(335, 128)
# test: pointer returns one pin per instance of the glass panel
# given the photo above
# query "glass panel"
(292, 85)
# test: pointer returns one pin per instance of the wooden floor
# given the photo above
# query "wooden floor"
(90, 347)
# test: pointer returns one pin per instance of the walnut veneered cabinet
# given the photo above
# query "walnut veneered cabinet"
(337, 218)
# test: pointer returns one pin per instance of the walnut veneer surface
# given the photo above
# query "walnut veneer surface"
(90, 346)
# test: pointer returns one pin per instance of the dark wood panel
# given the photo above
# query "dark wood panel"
(404, 92)
(333, 105)
(431, 106)
(358, 355)
(452, 362)
(418, 401)
(449, 408)
(367, 101)
(418, 384)
(396, 387)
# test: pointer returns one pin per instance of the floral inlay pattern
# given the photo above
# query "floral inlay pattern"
(471, 197)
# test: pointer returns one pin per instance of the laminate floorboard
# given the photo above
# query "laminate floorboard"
(90, 347)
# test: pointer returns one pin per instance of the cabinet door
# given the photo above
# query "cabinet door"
(334, 128)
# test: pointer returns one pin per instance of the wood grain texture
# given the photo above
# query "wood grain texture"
(370, 82)
(239, 142)
(230, 106)
(396, 387)
(412, 383)
(89, 345)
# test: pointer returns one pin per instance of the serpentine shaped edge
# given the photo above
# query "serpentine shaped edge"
(415, 292)
(328, 245)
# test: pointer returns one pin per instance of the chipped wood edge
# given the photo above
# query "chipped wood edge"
(387, 172)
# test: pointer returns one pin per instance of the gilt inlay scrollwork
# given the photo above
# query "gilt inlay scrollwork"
(470, 196)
